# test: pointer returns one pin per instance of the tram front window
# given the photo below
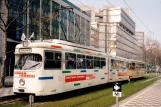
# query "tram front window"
(29, 62)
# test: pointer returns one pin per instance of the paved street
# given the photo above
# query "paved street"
(149, 97)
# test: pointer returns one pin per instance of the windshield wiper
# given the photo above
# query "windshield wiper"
(34, 65)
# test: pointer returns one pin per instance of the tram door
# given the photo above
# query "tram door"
(112, 70)
(52, 66)
(131, 70)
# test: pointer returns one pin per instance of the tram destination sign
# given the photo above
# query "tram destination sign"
(117, 90)
(25, 50)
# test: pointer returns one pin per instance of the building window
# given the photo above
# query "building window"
(45, 19)
(70, 25)
(35, 18)
(55, 22)
(63, 23)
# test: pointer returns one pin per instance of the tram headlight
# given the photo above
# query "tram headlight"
(22, 82)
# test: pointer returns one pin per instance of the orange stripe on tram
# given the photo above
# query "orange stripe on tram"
(130, 76)
(88, 52)
(110, 78)
(106, 73)
(55, 46)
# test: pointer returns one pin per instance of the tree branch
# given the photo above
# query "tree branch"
(2, 19)
(1, 25)
(18, 15)
(21, 3)
(19, 28)
(2, 29)
(6, 3)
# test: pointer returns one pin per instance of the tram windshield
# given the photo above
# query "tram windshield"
(29, 62)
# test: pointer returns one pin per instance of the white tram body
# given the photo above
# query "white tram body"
(118, 69)
(136, 68)
(55, 66)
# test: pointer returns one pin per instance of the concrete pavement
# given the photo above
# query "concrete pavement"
(148, 97)
(5, 92)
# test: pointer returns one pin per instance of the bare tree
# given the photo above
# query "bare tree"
(6, 22)
(3, 27)
(152, 52)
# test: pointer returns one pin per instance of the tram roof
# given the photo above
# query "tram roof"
(48, 43)
(118, 57)
(57, 41)
(132, 60)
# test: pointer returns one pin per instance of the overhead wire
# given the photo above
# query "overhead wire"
(128, 7)
(114, 7)
(86, 6)
(138, 17)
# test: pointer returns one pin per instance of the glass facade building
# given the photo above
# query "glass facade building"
(60, 19)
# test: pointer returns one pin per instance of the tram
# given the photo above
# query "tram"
(54, 66)
(136, 68)
(118, 69)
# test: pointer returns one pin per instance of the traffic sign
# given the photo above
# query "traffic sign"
(117, 90)
(117, 87)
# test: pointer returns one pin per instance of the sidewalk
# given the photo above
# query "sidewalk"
(148, 97)
(6, 92)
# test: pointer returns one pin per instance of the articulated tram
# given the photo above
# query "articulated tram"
(55, 66)
(136, 68)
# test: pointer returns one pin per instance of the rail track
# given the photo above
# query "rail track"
(86, 101)
(12, 99)
(41, 100)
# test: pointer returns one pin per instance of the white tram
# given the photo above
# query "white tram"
(136, 68)
(55, 66)
(118, 69)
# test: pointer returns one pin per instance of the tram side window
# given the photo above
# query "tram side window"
(103, 63)
(52, 60)
(120, 64)
(81, 62)
(132, 65)
(96, 62)
(89, 62)
(116, 64)
(138, 66)
(70, 60)
(127, 65)
(113, 63)
(143, 66)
